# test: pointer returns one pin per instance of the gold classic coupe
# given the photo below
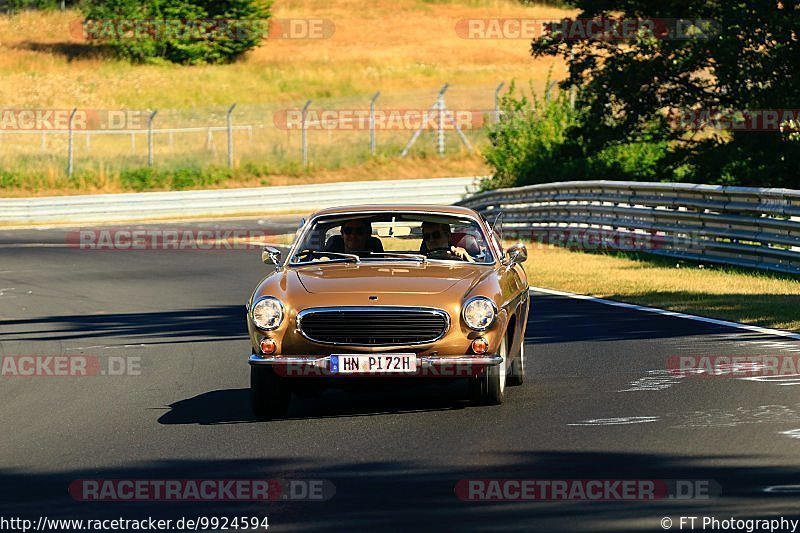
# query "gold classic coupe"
(371, 293)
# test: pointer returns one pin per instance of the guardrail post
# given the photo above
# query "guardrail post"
(303, 135)
(70, 162)
(497, 102)
(372, 145)
(230, 137)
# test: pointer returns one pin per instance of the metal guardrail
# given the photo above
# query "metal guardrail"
(740, 226)
(102, 208)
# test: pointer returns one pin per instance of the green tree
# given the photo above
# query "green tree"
(180, 31)
(733, 57)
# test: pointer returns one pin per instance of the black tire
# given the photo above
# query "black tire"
(489, 389)
(269, 394)
(516, 374)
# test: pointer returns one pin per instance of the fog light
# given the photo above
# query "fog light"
(268, 346)
(480, 346)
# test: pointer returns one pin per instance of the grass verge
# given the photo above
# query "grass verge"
(15, 184)
(751, 297)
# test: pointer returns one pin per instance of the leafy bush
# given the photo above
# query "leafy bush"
(142, 179)
(540, 140)
(527, 141)
(180, 31)
(10, 179)
(145, 179)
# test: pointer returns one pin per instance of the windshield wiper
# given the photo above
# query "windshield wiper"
(337, 255)
(412, 257)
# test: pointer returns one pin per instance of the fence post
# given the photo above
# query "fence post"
(230, 137)
(70, 163)
(497, 102)
(150, 137)
(440, 134)
(372, 144)
(424, 121)
(303, 136)
(571, 87)
(547, 91)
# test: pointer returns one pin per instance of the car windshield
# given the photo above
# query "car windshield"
(417, 237)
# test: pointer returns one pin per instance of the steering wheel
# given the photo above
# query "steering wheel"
(441, 253)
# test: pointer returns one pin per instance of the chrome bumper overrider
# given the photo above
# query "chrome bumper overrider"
(422, 362)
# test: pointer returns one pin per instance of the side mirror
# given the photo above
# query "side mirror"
(517, 254)
(270, 255)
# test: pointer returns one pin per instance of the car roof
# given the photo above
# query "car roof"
(384, 208)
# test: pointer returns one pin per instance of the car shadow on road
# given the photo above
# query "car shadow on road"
(403, 493)
(201, 324)
(232, 406)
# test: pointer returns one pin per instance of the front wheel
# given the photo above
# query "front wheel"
(269, 394)
(489, 389)
(516, 375)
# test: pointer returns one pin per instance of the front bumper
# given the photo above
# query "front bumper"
(323, 362)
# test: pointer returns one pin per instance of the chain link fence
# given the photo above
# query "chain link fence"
(263, 138)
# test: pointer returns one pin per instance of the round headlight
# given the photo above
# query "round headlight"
(479, 313)
(267, 313)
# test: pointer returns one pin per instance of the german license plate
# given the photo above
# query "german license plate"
(396, 363)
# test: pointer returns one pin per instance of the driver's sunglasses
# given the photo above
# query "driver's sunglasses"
(351, 231)
(435, 234)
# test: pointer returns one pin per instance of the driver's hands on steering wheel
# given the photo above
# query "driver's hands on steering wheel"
(456, 251)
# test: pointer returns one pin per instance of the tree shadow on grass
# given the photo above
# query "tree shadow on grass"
(72, 51)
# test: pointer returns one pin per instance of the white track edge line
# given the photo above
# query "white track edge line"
(656, 310)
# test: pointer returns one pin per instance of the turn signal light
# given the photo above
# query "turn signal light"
(480, 345)
(268, 346)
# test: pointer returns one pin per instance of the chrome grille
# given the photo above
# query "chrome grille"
(373, 326)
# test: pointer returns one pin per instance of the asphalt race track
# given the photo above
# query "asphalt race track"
(599, 404)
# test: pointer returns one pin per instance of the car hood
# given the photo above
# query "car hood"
(384, 278)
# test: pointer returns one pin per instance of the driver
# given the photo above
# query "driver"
(356, 238)
(436, 237)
